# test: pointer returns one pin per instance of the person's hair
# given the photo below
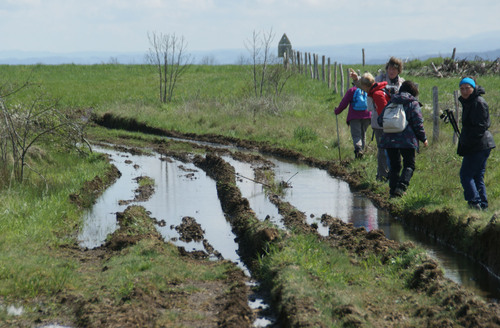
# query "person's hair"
(396, 63)
(410, 87)
(366, 80)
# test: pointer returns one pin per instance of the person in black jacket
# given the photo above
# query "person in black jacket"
(475, 143)
(403, 144)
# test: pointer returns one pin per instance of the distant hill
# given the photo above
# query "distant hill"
(484, 46)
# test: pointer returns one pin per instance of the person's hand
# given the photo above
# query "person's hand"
(353, 74)
(426, 143)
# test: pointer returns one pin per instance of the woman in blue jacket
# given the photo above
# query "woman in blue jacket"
(475, 143)
(404, 144)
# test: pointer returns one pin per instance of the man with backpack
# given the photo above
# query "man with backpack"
(401, 138)
(358, 117)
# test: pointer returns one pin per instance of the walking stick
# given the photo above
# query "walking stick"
(338, 137)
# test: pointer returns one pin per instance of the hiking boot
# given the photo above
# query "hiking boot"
(358, 154)
(475, 206)
(398, 192)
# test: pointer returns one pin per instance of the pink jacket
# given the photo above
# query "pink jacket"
(351, 114)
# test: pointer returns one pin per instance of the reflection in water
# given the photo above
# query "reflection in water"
(181, 189)
(254, 192)
(184, 190)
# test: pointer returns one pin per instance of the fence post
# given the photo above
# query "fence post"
(457, 117)
(311, 66)
(341, 80)
(329, 74)
(435, 104)
(299, 66)
(323, 77)
(316, 66)
(363, 52)
(348, 84)
(335, 88)
(307, 62)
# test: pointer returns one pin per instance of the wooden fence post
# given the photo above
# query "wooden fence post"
(311, 66)
(329, 74)
(316, 66)
(299, 66)
(307, 62)
(435, 104)
(341, 80)
(457, 117)
(348, 84)
(335, 88)
(323, 59)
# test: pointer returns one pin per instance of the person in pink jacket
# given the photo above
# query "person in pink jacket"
(358, 117)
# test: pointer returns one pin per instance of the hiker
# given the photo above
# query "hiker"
(405, 143)
(393, 68)
(358, 117)
(475, 143)
(376, 101)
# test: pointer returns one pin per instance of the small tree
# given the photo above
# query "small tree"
(22, 125)
(168, 54)
(269, 76)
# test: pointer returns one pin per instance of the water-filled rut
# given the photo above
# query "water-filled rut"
(184, 190)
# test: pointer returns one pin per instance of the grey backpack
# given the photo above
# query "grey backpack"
(394, 120)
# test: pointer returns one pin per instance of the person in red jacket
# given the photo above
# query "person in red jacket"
(376, 101)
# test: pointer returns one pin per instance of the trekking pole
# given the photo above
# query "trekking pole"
(338, 136)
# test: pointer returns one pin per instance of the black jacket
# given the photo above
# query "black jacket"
(475, 123)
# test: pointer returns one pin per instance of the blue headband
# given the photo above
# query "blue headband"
(468, 80)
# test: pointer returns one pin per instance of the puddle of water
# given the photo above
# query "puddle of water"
(313, 192)
(181, 189)
(254, 192)
(15, 310)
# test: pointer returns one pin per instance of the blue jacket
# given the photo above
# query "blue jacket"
(413, 132)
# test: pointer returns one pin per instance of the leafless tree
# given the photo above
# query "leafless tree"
(167, 53)
(269, 76)
(22, 125)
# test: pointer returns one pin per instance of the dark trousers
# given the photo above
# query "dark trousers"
(472, 177)
(400, 178)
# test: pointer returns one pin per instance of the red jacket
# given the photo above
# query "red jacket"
(379, 96)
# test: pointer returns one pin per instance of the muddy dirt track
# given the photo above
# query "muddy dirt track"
(225, 301)
(461, 234)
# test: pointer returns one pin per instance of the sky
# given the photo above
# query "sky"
(65, 26)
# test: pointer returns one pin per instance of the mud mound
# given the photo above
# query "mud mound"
(211, 303)
(190, 230)
(91, 190)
